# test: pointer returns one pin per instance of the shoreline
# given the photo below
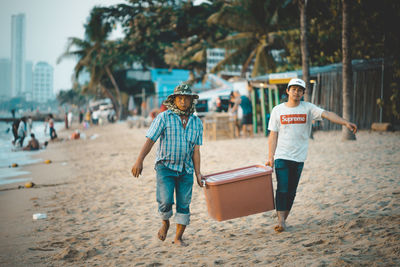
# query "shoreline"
(347, 209)
(10, 154)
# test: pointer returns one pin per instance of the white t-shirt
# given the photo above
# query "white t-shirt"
(293, 125)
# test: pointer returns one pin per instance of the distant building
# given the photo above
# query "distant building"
(29, 80)
(216, 55)
(18, 29)
(5, 78)
(165, 80)
(42, 82)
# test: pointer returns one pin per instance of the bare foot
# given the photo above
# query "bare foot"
(162, 233)
(279, 229)
(180, 242)
(281, 222)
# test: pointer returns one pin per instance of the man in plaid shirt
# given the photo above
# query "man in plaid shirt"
(178, 156)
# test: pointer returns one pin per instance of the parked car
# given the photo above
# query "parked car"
(104, 110)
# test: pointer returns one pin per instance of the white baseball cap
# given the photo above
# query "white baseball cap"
(297, 81)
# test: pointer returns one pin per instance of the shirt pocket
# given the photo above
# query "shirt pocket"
(169, 132)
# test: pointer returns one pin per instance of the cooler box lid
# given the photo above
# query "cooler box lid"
(237, 174)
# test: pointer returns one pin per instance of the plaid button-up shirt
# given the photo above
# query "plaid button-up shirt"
(176, 146)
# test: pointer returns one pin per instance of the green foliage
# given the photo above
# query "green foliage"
(189, 51)
(148, 28)
(72, 97)
(254, 27)
(163, 34)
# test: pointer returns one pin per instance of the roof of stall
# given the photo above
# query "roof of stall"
(284, 77)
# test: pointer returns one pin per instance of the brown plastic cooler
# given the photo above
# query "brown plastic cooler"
(239, 192)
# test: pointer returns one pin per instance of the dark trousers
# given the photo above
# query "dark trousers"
(288, 175)
(53, 134)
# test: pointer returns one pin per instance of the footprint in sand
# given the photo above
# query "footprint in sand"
(319, 242)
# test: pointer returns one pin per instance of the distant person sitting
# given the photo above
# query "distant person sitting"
(33, 144)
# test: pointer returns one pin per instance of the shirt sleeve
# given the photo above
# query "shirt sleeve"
(157, 127)
(316, 112)
(273, 124)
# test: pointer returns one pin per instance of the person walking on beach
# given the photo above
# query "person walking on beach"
(70, 118)
(53, 134)
(178, 156)
(247, 117)
(21, 131)
(290, 127)
(80, 116)
(234, 111)
(29, 124)
(14, 130)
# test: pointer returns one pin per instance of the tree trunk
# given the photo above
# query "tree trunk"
(117, 91)
(347, 72)
(304, 48)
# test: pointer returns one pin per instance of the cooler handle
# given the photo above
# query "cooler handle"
(201, 182)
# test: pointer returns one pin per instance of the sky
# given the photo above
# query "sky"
(49, 24)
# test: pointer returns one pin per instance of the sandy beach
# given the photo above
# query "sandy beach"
(346, 213)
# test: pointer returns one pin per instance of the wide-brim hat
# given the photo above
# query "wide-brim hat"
(183, 89)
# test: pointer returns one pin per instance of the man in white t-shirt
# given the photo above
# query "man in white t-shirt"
(290, 127)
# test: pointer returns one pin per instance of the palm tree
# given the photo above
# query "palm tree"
(255, 24)
(97, 56)
(347, 72)
(304, 47)
(190, 51)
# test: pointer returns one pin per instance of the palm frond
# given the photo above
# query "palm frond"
(200, 56)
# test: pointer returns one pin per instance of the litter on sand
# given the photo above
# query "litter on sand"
(39, 216)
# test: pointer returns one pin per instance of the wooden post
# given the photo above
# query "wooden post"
(270, 104)
(144, 104)
(254, 107)
(276, 95)
(263, 110)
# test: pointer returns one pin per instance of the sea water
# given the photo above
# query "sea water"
(10, 154)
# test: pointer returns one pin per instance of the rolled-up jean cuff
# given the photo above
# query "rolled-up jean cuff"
(165, 215)
(182, 218)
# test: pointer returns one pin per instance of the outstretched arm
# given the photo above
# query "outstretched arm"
(138, 166)
(272, 142)
(333, 117)
(196, 163)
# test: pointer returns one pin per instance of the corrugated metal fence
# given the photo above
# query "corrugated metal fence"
(367, 88)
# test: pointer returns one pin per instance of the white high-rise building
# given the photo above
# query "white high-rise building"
(5, 78)
(42, 82)
(29, 80)
(18, 28)
(215, 55)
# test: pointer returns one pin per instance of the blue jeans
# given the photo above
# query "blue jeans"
(288, 174)
(167, 181)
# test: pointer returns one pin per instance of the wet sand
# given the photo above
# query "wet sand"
(346, 212)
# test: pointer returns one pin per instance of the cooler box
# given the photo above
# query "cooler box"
(239, 192)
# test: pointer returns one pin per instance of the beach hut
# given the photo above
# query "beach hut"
(326, 91)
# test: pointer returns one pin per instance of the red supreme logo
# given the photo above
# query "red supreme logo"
(293, 118)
